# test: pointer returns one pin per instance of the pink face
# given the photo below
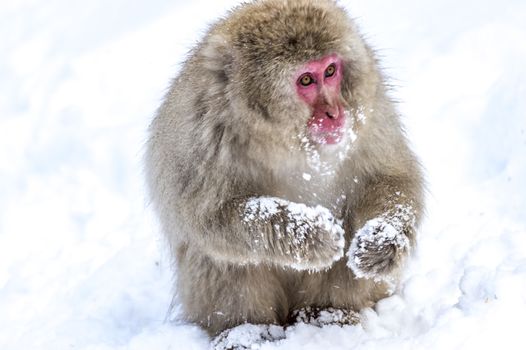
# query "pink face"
(318, 85)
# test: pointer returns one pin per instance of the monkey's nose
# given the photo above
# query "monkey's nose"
(330, 115)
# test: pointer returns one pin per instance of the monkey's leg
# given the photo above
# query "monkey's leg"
(334, 296)
(220, 296)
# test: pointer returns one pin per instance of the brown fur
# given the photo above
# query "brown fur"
(226, 132)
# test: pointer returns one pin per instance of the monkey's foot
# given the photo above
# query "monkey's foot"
(328, 316)
(247, 336)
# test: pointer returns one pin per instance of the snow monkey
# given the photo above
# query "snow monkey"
(280, 171)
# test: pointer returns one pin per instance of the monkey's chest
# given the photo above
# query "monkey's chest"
(312, 190)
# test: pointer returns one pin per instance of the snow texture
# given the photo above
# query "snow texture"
(263, 208)
(325, 317)
(80, 262)
(301, 220)
(249, 336)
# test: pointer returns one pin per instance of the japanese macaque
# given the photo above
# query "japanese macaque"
(280, 172)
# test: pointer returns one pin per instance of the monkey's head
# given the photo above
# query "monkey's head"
(299, 68)
(318, 84)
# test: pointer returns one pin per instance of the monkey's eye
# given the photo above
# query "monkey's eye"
(329, 72)
(306, 80)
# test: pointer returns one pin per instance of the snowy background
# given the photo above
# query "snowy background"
(81, 258)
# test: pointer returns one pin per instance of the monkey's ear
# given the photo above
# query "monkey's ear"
(217, 56)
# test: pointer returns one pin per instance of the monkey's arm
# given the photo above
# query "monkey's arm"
(273, 230)
(385, 218)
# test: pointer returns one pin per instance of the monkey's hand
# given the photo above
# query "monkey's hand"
(295, 235)
(379, 247)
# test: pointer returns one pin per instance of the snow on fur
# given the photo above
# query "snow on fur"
(301, 219)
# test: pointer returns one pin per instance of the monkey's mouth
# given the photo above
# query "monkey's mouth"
(327, 130)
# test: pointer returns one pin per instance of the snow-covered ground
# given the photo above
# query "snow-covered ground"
(81, 259)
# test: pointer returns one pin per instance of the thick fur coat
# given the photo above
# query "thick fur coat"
(231, 129)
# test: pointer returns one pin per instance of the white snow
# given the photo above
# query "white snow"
(249, 335)
(81, 264)
(263, 208)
